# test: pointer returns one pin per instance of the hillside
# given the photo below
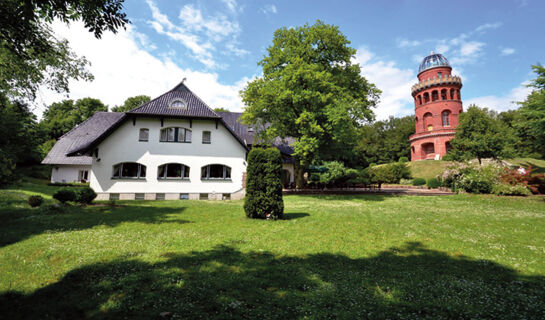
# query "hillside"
(428, 168)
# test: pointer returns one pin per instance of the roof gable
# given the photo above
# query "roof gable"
(80, 137)
(160, 106)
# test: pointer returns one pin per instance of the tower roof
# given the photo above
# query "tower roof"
(432, 61)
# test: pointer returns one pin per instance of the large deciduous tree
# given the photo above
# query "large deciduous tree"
(533, 112)
(31, 56)
(61, 117)
(481, 135)
(132, 103)
(312, 91)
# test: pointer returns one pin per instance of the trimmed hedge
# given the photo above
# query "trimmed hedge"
(389, 173)
(264, 184)
(65, 195)
(85, 195)
(433, 183)
(419, 181)
(35, 201)
(403, 159)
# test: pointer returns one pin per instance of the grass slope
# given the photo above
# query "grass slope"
(347, 257)
(427, 168)
(538, 165)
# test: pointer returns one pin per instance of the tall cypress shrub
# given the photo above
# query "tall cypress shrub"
(264, 184)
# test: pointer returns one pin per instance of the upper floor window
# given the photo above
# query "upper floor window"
(129, 170)
(173, 171)
(143, 135)
(446, 118)
(175, 134)
(216, 171)
(206, 137)
(178, 104)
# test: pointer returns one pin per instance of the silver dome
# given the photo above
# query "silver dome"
(432, 61)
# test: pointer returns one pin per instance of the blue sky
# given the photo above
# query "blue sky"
(216, 45)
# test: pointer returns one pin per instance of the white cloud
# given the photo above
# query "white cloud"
(123, 69)
(504, 102)
(198, 32)
(394, 82)
(231, 4)
(269, 8)
(404, 43)
(487, 26)
(507, 51)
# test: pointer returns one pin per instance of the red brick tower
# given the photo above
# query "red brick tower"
(437, 104)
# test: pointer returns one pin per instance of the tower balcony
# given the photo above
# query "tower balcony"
(428, 83)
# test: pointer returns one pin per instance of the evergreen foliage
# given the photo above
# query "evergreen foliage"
(132, 103)
(64, 195)
(35, 201)
(85, 195)
(264, 184)
(433, 183)
(419, 181)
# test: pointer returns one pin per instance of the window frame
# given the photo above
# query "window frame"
(140, 135)
(227, 172)
(165, 172)
(209, 141)
(175, 135)
(119, 170)
(445, 115)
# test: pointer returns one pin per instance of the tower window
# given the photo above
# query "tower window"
(446, 118)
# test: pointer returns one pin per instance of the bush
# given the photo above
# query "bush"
(403, 159)
(337, 175)
(85, 195)
(390, 173)
(419, 181)
(264, 184)
(65, 195)
(501, 189)
(433, 183)
(35, 201)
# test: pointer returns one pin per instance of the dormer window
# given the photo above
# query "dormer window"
(178, 104)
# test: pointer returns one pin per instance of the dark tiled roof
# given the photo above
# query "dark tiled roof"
(80, 137)
(160, 106)
(233, 121)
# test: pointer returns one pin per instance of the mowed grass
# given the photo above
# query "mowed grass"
(428, 168)
(344, 257)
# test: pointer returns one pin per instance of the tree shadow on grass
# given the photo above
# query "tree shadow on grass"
(295, 215)
(19, 223)
(406, 282)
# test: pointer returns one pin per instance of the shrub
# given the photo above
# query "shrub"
(390, 173)
(536, 183)
(264, 184)
(433, 183)
(337, 175)
(35, 201)
(419, 181)
(501, 189)
(480, 179)
(403, 159)
(65, 195)
(85, 195)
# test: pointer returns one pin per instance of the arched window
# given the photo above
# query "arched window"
(445, 116)
(173, 171)
(215, 172)
(458, 94)
(444, 94)
(143, 135)
(129, 170)
(419, 100)
(426, 97)
(451, 94)
(175, 134)
(434, 95)
(428, 118)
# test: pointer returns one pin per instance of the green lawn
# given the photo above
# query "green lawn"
(428, 168)
(344, 257)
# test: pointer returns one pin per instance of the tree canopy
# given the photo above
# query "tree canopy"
(132, 103)
(310, 90)
(30, 53)
(533, 111)
(61, 117)
(480, 135)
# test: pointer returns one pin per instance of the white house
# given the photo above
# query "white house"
(173, 147)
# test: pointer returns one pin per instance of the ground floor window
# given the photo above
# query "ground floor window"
(114, 196)
(83, 176)
(129, 170)
(173, 171)
(216, 171)
(159, 196)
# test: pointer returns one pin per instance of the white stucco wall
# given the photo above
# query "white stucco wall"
(290, 167)
(67, 173)
(123, 146)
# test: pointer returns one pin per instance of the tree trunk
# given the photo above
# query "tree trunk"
(299, 175)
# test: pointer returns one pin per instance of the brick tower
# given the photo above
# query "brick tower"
(437, 104)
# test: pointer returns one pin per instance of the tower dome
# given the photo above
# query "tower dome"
(432, 61)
